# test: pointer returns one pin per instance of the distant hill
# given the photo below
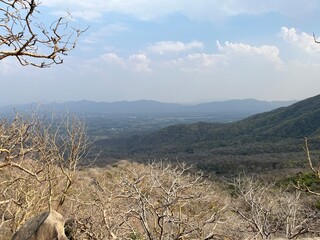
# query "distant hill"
(279, 130)
(247, 106)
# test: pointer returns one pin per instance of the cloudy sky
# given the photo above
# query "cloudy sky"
(183, 51)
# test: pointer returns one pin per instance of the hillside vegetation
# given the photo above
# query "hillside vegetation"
(39, 172)
(265, 141)
(157, 201)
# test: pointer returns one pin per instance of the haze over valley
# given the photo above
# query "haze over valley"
(224, 137)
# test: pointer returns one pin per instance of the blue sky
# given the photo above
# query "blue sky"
(183, 51)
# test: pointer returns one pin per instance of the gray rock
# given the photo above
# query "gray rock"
(46, 226)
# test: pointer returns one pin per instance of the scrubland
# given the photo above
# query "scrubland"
(39, 171)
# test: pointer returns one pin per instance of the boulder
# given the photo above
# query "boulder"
(46, 226)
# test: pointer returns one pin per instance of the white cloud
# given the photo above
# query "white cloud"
(199, 10)
(105, 31)
(238, 70)
(230, 54)
(87, 15)
(136, 62)
(175, 47)
(139, 63)
(198, 62)
(301, 40)
(297, 7)
(113, 58)
(140, 9)
(269, 52)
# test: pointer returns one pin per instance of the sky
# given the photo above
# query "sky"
(179, 51)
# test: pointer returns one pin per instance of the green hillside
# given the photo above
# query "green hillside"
(280, 130)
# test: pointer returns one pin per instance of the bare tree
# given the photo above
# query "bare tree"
(38, 162)
(315, 171)
(269, 212)
(155, 201)
(33, 42)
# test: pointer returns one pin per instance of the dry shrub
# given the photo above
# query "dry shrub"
(266, 212)
(38, 162)
(155, 201)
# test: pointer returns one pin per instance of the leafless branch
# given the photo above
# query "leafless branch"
(30, 41)
(268, 211)
(156, 201)
(315, 39)
(38, 161)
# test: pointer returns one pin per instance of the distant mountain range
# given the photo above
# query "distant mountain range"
(279, 130)
(247, 106)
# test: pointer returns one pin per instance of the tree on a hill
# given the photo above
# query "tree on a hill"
(31, 41)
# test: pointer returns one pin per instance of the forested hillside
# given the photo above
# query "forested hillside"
(287, 124)
(269, 135)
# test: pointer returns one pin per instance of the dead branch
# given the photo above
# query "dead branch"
(315, 39)
(32, 42)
